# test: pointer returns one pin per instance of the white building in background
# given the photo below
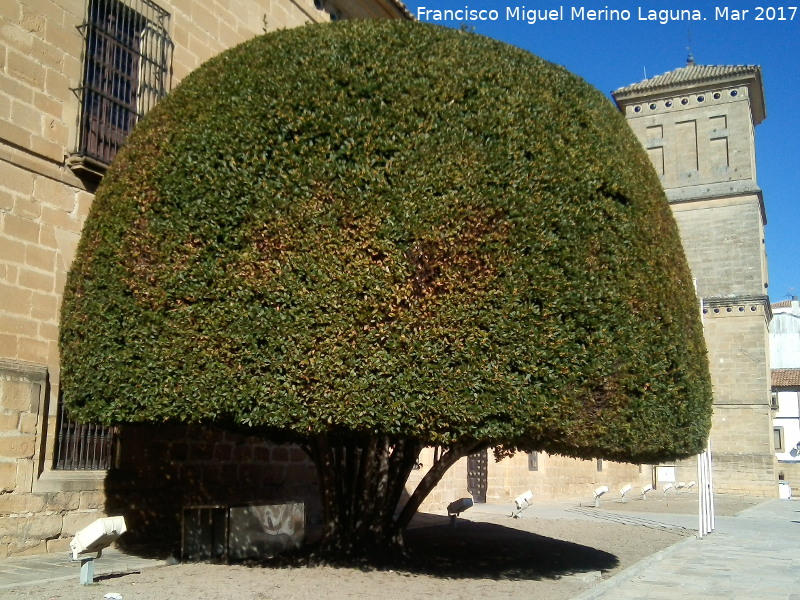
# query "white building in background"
(784, 339)
(784, 335)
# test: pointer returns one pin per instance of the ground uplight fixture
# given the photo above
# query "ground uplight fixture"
(522, 502)
(89, 543)
(624, 491)
(455, 508)
(645, 489)
(603, 489)
(667, 487)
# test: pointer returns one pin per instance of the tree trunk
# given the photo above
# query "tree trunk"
(361, 482)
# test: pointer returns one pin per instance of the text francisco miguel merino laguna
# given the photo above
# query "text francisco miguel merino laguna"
(532, 16)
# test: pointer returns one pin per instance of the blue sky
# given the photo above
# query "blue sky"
(613, 54)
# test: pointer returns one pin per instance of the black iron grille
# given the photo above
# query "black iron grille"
(83, 447)
(127, 69)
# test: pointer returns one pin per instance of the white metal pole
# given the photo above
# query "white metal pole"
(705, 488)
(712, 521)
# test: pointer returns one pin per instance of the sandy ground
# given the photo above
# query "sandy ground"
(486, 556)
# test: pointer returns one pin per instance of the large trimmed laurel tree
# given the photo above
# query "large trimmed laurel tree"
(370, 237)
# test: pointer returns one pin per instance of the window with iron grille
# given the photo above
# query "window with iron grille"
(83, 446)
(127, 69)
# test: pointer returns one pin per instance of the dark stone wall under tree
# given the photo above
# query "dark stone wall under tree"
(165, 468)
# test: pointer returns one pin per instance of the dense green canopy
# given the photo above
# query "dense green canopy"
(389, 228)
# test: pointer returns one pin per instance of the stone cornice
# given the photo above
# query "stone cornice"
(696, 81)
(739, 304)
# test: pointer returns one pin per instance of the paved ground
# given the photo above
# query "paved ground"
(753, 556)
(31, 570)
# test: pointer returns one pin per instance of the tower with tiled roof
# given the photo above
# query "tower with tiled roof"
(697, 124)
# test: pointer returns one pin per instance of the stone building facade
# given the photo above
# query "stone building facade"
(697, 124)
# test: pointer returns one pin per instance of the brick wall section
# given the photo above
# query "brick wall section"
(40, 523)
(562, 477)
(42, 47)
(20, 397)
(32, 523)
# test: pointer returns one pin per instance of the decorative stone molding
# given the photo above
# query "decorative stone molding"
(737, 305)
(685, 101)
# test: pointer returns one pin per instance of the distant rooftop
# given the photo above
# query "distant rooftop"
(782, 304)
(785, 378)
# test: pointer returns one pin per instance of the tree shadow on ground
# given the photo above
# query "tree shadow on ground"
(470, 550)
(475, 550)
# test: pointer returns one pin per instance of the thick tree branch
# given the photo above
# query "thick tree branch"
(433, 476)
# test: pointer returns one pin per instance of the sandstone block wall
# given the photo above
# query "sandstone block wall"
(736, 336)
(741, 433)
(33, 521)
(697, 136)
(723, 239)
(556, 477)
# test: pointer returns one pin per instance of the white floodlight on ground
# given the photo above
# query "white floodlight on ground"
(91, 540)
(522, 502)
(645, 489)
(680, 485)
(457, 507)
(603, 489)
(624, 491)
(690, 485)
(667, 487)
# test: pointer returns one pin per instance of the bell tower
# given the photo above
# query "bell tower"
(697, 124)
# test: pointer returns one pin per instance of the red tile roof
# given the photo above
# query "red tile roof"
(785, 378)
(782, 304)
(688, 74)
